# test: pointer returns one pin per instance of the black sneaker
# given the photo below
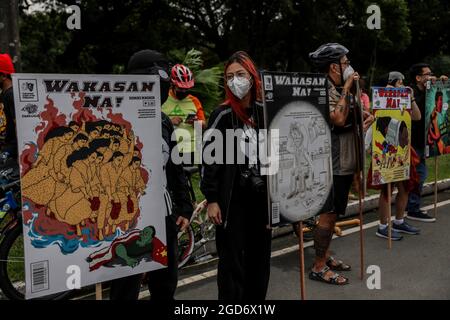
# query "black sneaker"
(420, 216)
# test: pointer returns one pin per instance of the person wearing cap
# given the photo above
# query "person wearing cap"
(420, 74)
(331, 58)
(395, 80)
(184, 110)
(8, 138)
(162, 283)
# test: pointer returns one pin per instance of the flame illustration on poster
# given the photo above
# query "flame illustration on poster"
(437, 123)
(391, 135)
(91, 180)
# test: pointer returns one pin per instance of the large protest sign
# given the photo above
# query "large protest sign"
(296, 107)
(91, 178)
(437, 122)
(391, 139)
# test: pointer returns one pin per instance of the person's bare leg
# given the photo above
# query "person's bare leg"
(383, 207)
(401, 201)
(322, 238)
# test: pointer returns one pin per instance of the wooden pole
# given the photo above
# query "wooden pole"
(389, 216)
(98, 291)
(302, 261)
(435, 185)
(362, 191)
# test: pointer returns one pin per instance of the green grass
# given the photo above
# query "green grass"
(443, 173)
(443, 170)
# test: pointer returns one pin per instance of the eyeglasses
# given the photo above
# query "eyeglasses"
(345, 63)
(429, 74)
(239, 74)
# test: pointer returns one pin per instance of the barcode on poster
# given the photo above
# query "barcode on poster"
(275, 212)
(39, 276)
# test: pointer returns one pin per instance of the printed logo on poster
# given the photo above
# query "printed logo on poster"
(30, 110)
(28, 90)
(268, 82)
(148, 103)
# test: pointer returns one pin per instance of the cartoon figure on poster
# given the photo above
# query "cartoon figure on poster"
(437, 123)
(391, 135)
(302, 186)
(85, 175)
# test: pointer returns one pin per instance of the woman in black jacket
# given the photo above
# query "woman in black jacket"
(232, 184)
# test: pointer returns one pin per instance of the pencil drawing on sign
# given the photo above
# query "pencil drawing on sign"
(304, 180)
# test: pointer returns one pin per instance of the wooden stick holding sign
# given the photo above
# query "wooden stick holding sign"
(389, 190)
(302, 261)
(358, 132)
(435, 185)
(361, 232)
(98, 291)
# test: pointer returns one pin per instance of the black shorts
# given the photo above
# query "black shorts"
(341, 188)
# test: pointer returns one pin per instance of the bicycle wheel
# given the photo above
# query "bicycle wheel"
(185, 246)
(12, 267)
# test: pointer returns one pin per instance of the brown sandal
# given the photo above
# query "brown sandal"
(337, 265)
(320, 276)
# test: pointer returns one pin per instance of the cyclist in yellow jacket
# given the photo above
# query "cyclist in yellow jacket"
(183, 110)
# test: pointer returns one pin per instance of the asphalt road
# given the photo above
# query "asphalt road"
(416, 267)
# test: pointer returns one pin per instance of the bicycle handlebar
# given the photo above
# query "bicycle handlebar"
(9, 185)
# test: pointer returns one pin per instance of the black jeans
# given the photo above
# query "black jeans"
(244, 248)
(162, 283)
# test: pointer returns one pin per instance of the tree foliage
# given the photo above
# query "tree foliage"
(278, 34)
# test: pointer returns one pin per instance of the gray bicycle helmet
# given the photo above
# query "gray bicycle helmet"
(394, 76)
(327, 53)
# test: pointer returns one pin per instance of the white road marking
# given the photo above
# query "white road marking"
(209, 274)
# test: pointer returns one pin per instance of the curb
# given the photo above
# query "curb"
(370, 203)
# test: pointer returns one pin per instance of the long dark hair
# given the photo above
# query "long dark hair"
(57, 132)
(243, 59)
(115, 155)
(81, 154)
(134, 160)
(99, 143)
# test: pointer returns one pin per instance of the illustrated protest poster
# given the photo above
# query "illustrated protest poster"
(437, 123)
(91, 177)
(296, 107)
(391, 137)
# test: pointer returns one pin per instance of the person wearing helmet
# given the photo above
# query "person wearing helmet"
(331, 58)
(184, 109)
(162, 283)
(8, 137)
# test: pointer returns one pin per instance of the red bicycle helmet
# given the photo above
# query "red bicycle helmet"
(182, 77)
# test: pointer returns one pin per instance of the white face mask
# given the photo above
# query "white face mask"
(348, 72)
(239, 86)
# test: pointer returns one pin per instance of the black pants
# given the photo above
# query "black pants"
(244, 249)
(162, 283)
